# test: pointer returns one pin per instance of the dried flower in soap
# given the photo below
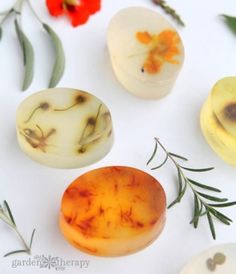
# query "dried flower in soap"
(77, 11)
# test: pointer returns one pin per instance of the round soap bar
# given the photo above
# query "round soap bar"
(113, 211)
(64, 128)
(146, 52)
(218, 119)
(219, 260)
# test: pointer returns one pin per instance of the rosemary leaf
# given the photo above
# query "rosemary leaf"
(9, 212)
(223, 205)
(28, 54)
(204, 186)
(59, 64)
(230, 21)
(162, 164)
(222, 218)
(15, 252)
(0, 33)
(178, 156)
(32, 238)
(196, 212)
(169, 11)
(212, 228)
(153, 154)
(212, 198)
(180, 196)
(198, 170)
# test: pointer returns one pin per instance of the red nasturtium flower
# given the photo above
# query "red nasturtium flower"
(77, 10)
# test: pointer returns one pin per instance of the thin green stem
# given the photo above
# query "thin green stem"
(34, 12)
(27, 248)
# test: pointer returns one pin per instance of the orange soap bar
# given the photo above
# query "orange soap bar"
(113, 211)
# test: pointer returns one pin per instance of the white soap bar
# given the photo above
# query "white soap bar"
(64, 128)
(146, 52)
(219, 260)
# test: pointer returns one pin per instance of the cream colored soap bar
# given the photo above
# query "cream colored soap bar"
(146, 52)
(113, 211)
(219, 260)
(218, 119)
(64, 128)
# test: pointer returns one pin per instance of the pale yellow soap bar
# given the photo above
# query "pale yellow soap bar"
(64, 128)
(113, 211)
(146, 52)
(218, 119)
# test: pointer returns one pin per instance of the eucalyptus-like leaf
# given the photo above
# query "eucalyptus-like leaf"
(28, 56)
(230, 21)
(198, 169)
(178, 156)
(153, 154)
(204, 186)
(9, 212)
(59, 64)
(212, 228)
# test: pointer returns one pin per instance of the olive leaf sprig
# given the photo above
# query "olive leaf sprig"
(203, 204)
(7, 217)
(170, 11)
(27, 47)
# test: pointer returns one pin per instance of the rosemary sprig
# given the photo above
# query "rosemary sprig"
(202, 204)
(170, 11)
(7, 217)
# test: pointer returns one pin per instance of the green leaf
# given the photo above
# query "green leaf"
(0, 33)
(59, 64)
(32, 238)
(223, 205)
(9, 212)
(196, 212)
(153, 154)
(198, 170)
(179, 198)
(230, 21)
(15, 252)
(178, 156)
(223, 218)
(212, 228)
(212, 198)
(28, 55)
(204, 186)
(162, 164)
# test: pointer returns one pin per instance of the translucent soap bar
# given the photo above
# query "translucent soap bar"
(146, 52)
(220, 259)
(218, 118)
(64, 128)
(113, 211)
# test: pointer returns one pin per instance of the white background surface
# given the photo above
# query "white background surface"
(34, 191)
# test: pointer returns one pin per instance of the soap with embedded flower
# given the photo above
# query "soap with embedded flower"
(113, 211)
(146, 52)
(64, 128)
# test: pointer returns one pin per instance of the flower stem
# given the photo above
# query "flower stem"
(33, 11)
